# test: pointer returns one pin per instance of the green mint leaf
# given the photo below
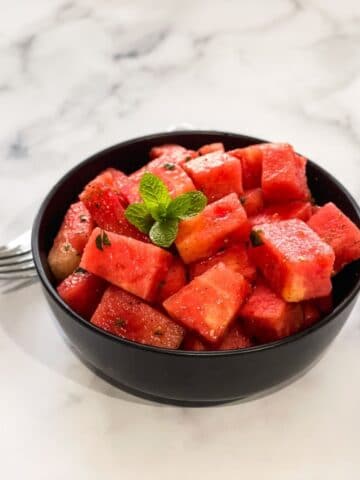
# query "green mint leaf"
(255, 238)
(155, 195)
(164, 233)
(105, 239)
(169, 166)
(187, 205)
(138, 215)
(99, 242)
(80, 270)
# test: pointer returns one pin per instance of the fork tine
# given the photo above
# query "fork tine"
(17, 274)
(20, 245)
(15, 267)
(16, 259)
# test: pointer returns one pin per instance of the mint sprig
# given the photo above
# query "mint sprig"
(158, 215)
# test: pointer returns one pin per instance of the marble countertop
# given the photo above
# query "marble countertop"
(77, 76)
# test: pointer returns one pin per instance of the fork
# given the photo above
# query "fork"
(16, 260)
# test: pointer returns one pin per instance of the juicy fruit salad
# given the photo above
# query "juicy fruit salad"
(203, 250)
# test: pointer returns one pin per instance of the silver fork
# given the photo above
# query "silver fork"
(16, 260)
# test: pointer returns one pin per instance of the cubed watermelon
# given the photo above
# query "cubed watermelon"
(311, 313)
(126, 316)
(251, 161)
(203, 235)
(294, 260)
(175, 279)
(283, 174)
(235, 338)
(82, 291)
(175, 153)
(133, 265)
(217, 174)
(70, 241)
(211, 147)
(234, 257)
(110, 178)
(106, 207)
(164, 167)
(252, 201)
(194, 343)
(210, 302)
(283, 211)
(267, 317)
(336, 229)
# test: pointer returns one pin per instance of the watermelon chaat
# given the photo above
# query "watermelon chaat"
(203, 250)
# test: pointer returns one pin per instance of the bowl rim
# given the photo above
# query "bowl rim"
(166, 351)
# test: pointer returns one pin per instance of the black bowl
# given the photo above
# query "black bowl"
(188, 378)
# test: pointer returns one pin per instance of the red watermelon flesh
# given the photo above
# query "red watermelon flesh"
(252, 201)
(202, 236)
(234, 257)
(126, 316)
(216, 174)
(133, 265)
(336, 229)
(283, 174)
(251, 161)
(294, 260)
(106, 208)
(70, 241)
(173, 152)
(286, 211)
(210, 302)
(211, 147)
(175, 279)
(109, 178)
(168, 170)
(235, 338)
(82, 291)
(267, 317)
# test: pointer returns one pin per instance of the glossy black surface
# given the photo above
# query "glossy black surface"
(189, 378)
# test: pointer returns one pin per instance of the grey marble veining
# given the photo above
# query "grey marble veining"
(76, 76)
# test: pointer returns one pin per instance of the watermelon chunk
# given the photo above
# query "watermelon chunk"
(267, 317)
(175, 153)
(252, 201)
(336, 229)
(203, 235)
(235, 338)
(211, 147)
(111, 178)
(126, 316)
(294, 260)
(135, 266)
(70, 241)
(251, 161)
(234, 257)
(194, 343)
(210, 302)
(286, 211)
(164, 167)
(283, 174)
(175, 279)
(217, 174)
(82, 291)
(106, 207)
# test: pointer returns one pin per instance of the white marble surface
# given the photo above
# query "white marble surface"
(76, 76)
